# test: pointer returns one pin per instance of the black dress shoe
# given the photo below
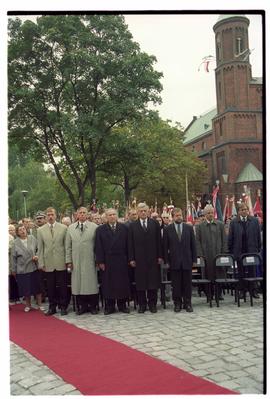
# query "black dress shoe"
(256, 295)
(189, 308)
(81, 311)
(108, 311)
(50, 312)
(142, 309)
(153, 309)
(124, 310)
(221, 298)
(177, 308)
(64, 312)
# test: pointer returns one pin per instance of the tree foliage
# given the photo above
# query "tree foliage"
(148, 160)
(71, 80)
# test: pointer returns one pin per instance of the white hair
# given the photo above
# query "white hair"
(208, 208)
(142, 205)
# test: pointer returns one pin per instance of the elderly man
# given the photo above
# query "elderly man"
(132, 216)
(66, 220)
(40, 219)
(111, 249)
(51, 258)
(80, 259)
(180, 254)
(145, 256)
(211, 240)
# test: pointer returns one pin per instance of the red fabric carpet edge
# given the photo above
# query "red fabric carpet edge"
(96, 365)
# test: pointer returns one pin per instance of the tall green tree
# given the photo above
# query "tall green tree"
(148, 159)
(43, 190)
(71, 80)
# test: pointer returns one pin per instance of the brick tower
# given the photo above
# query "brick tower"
(237, 127)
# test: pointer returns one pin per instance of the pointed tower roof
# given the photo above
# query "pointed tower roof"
(249, 173)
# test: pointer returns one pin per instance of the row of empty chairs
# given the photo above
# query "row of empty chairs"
(231, 280)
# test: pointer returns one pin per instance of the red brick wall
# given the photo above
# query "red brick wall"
(255, 96)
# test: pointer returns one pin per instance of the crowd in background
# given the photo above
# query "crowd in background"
(102, 250)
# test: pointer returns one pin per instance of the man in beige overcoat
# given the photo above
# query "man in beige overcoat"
(80, 259)
(51, 257)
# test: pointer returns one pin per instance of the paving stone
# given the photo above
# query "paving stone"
(61, 390)
(45, 386)
(233, 336)
(219, 377)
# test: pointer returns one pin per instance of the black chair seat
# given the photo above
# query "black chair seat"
(200, 281)
(250, 262)
(225, 263)
(226, 280)
(253, 279)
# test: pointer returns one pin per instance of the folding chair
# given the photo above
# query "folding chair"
(165, 280)
(199, 280)
(250, 262)
(226, 263)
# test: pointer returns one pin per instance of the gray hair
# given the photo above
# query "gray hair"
(142, 205)
(208, 208)
(111, 209)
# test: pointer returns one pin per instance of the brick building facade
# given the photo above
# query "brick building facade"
(229, 138)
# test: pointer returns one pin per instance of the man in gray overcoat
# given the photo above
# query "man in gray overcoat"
(80, 259)
(210, 241)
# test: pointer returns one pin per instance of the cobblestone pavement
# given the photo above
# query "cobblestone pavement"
(223, 345)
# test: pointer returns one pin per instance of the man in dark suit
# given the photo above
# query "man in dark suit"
(111, 249)
(180, 253)
(244, 237)
(145, 255)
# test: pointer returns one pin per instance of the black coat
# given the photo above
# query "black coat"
(253, 236)
(179, 254)
(145, 248)
(111, 248)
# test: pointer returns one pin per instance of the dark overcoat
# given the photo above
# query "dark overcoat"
(179, 254)
(253, 236)
(111, 248)
(211, 240)
(145, 248)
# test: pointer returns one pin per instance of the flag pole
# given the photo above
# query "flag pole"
(186, 193)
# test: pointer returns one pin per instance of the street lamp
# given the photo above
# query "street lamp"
(24, 192)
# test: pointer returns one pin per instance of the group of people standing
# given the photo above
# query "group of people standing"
(126, 254)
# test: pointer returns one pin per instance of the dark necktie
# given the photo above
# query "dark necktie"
(81, 227)
(51, 228)
(113, 228)
(144, 225)
(179, 231)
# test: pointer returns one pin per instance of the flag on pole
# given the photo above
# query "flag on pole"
(247, 199)
(206, 62)
(233, 207)
(218, 210)
(214, 199)
(257, 207)
(226, 209)
(216, 203)
(189, 213)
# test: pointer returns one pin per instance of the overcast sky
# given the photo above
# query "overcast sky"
(179, 43)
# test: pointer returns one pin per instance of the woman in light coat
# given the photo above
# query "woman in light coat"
(25, 267)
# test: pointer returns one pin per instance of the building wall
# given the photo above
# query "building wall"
(237, 134)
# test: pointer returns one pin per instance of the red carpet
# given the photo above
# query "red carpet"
(96, 365)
